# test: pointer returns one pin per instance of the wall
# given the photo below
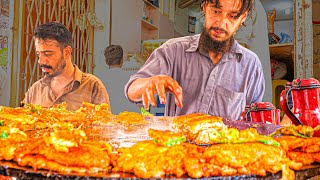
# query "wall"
(316, 38)
(181, 21)
(5, 47)
(126, 31)
(101, 38)
(126, 16)
(166, 27)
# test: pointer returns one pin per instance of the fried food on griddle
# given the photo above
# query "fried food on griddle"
(303, 157)
(64, 151)
(205, 129)
(96, 114)
(234, 136)
(166, 138)
(85, 155)
(25, 118)
(149, 160)
(130, 118)
(299, 131)
(237, 159)
(197, 127)
(308, 145)
(10, 140)
(179, 121)
(32, 117)
(304, 150)
(64, 139)
(40, 162)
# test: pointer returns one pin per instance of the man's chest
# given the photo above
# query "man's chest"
(204, 75)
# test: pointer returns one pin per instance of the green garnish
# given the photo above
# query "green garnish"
(1, 122)
(70, 127)
(34, 108)
(269, 142)
(97, 107)
(145, 112)
(4, 135)
(289, 130)
(175, 141)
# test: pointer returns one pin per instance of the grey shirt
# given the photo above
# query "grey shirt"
(222, 89)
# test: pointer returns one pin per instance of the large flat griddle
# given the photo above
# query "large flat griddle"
(9, 168)
(128, 137)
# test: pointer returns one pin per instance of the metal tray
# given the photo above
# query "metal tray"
(9, 168)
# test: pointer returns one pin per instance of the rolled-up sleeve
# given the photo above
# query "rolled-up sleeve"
(157, 64)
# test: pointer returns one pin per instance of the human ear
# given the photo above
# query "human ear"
(67, 52)
(243, 17)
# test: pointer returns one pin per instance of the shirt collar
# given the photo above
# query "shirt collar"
(194, 43)
(77, 76)
(194, 46)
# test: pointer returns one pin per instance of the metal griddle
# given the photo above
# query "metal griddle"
(9, 168)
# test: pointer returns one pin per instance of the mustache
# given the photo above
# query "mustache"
(45, 66)
(219, 29)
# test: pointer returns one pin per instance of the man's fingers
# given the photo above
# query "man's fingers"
(178, 98)
(150, 96)
(145, 101)
(176, 89)
(161, 92)
(160, 85)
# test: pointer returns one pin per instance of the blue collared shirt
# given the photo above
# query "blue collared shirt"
(223, 89)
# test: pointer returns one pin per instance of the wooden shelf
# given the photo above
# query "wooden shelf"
(150, 4)
(281, 52)
(148, 25)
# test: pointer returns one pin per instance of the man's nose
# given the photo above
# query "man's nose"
(41, 59)
(222, 20)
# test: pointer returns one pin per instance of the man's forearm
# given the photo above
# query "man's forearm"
(136, 89)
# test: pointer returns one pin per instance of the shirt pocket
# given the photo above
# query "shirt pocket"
(228, 104)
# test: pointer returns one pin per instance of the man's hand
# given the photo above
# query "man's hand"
(146, 88)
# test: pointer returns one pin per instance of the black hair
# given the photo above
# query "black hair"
(113, 55)
(55, 31)
(246, 6)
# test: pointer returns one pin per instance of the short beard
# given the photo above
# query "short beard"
(58, 70)
(208, 44)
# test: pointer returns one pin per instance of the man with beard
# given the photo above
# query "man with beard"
(63, 81)
(208, 73)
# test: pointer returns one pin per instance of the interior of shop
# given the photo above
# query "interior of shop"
(274, 137)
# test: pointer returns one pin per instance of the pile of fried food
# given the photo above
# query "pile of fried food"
(197, 145)
(64, 151)
(301, 147)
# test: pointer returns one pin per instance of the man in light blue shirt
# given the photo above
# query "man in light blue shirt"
(209, 73)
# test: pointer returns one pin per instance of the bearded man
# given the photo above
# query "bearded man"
(63, 81)
(209, 73)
